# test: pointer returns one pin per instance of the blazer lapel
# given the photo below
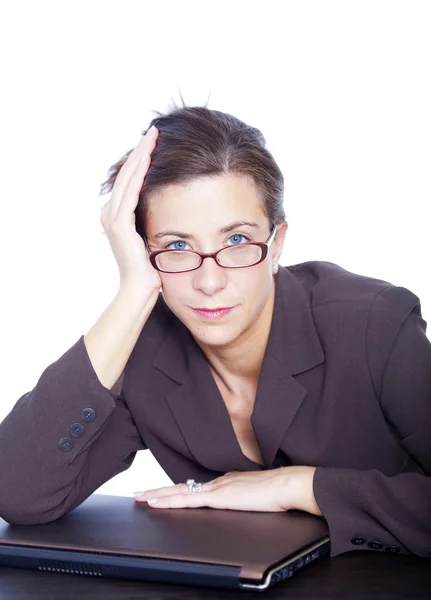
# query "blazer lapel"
(293, 347)
(197, 406)
(278, 399)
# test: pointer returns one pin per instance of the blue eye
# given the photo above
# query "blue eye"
(180, 247)
(235, 238)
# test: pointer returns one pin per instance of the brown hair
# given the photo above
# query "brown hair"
(196, 142)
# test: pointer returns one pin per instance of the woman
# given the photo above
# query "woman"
(238, 366)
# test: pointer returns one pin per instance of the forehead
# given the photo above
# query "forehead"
(205, 202)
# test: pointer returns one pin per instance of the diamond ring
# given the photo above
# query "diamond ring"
(193, 486)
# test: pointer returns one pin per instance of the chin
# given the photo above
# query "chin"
(215, 336)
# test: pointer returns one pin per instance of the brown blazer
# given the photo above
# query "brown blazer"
(345, 386)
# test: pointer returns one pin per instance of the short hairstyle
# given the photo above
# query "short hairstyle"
(196, 142)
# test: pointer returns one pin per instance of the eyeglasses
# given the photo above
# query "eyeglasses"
(232, 257)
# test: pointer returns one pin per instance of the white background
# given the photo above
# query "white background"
(340, 89)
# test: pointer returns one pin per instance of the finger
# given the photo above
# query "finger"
(145, 146)
(133, 188)
(193, 500)
(168, 490)
(136, 161)
(132, 159)
(134, 169)
(124, 199)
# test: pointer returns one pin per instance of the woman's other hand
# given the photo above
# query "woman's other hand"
(273, 490)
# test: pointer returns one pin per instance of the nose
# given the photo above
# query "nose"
(210, 277)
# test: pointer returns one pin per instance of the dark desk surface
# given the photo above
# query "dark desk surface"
(348, 576)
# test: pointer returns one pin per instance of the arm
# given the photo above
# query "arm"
(394, 511)
(49, 467)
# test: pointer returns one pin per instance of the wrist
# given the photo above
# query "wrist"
(303, 497)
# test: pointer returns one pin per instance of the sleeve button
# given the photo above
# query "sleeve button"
(76, 430)
(393, 549)
(65, 444)
(358, 540)
(88, 415)
(375, 545)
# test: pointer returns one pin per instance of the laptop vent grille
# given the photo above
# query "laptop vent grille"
(76, 568)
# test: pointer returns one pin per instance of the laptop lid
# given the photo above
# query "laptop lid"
(116, 537)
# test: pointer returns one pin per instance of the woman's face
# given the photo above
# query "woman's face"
(205, 216)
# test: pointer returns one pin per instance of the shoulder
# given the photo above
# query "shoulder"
(341, 299)
(326, 282)
(358, 314)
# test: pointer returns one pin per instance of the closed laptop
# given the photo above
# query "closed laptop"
(113, 536)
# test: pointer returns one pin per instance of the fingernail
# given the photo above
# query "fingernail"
(152, 500)
(138, 494)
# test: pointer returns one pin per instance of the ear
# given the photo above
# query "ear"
(278, 243)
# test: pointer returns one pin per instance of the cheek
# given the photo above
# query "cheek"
(254, 286)
(175, 288)
(259, 278)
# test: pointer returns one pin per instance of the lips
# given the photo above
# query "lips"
(214, 309)
(213, 313)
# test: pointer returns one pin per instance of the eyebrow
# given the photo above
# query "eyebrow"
(226, 229)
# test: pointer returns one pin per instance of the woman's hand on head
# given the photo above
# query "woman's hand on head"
(118, 219)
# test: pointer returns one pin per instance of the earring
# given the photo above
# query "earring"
(275, 269)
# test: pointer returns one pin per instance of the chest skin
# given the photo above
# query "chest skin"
(240, 407)
(245, 435)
